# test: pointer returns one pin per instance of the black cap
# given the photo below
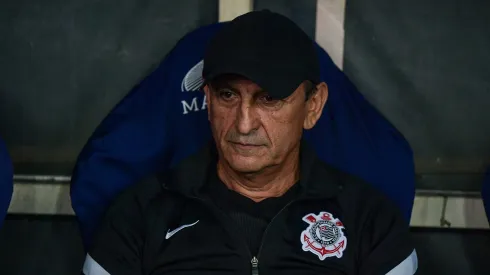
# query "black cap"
(265, 47)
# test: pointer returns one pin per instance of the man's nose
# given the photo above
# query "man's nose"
(247, 119)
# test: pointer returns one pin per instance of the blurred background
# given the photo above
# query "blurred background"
(424, 64)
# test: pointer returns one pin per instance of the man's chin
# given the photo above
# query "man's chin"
(247, 164)
(248, 151)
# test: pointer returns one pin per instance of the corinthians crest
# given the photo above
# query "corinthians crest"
(324, 236)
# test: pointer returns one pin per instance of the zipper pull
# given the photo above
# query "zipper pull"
(255, 266)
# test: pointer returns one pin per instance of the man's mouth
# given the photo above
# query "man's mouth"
(245, 145)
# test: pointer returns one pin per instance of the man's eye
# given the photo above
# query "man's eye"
(268, 99)
(225, 94)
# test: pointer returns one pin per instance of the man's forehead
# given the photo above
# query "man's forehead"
(233, 80)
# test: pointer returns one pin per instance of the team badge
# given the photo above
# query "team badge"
(324, 236)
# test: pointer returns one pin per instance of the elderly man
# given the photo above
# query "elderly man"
(256, 200)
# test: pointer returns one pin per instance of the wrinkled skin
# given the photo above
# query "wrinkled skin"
(254, 133)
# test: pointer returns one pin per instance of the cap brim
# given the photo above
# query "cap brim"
(278, 87)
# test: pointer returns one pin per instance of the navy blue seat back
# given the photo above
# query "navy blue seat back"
(164, 119)
(6, 181)
(486, 194)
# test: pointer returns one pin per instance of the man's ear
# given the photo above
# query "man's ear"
(207, 95)
(315, 105)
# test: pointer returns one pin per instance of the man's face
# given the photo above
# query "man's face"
(252, 131)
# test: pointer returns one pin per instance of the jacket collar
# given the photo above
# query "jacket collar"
(317, 179)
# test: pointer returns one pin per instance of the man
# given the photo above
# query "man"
(256, 200)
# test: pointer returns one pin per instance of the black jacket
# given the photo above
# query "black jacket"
(167, 225)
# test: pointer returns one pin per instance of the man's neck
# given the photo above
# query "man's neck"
(272, 182)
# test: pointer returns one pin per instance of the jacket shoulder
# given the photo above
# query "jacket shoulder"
(141, 196)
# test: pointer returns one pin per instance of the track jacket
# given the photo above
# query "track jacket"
(337, 225)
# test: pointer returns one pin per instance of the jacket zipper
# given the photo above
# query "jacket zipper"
(255, 266)
(255, 259)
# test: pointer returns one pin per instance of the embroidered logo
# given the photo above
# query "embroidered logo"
(324, 236)
(171, 233)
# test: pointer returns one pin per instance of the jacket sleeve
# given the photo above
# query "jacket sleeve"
(386, 246)
(118, 242)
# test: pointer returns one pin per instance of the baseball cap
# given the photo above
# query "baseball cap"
(266, 48)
